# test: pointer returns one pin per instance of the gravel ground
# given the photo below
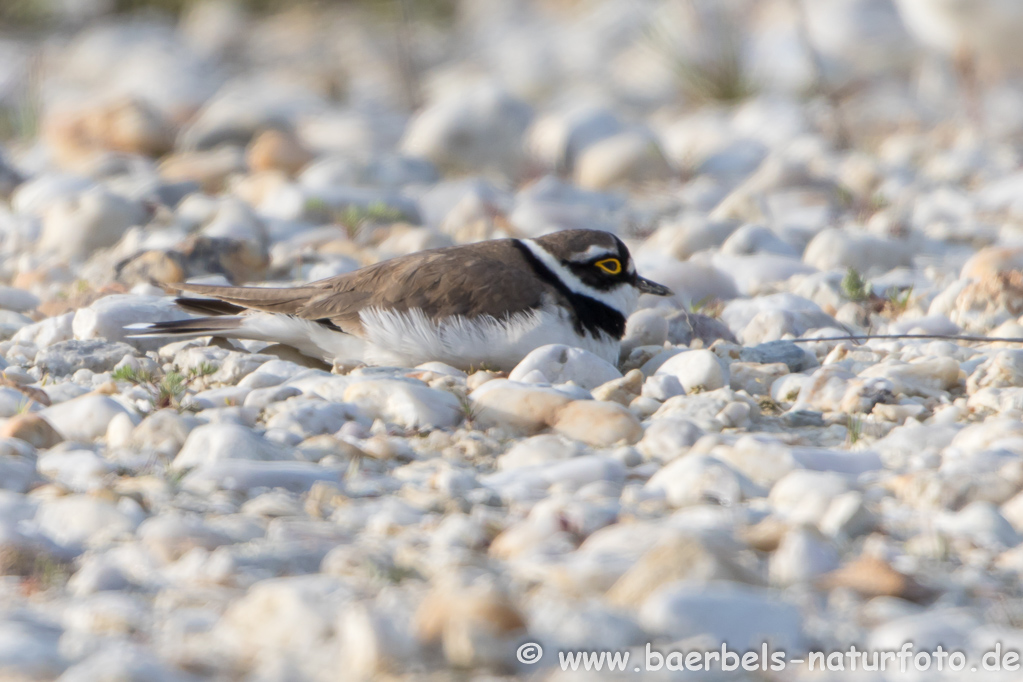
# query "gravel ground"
(212, 510)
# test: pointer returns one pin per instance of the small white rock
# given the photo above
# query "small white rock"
(77, 520)
(85, 418)
(804, 496)
(740, 616)
(78, 470)
(696, 369)
(211, 443)
(696, 479)
(47, 332)
(660, 387)
(802, 556)
(980, 523)
(75, 227)
(410, 404)
(668, 438)
(108, 317)
(561, 364)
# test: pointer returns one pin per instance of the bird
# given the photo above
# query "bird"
(480, 305)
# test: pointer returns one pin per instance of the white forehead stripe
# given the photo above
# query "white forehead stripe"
(594, 252)
(622, 298)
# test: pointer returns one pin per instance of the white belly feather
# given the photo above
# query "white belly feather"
(309, 337)
(411, 338)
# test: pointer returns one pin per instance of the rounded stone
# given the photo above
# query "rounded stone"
(598, 423)
(561, 364)
(696, 369)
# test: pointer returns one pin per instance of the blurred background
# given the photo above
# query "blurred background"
(488, 117)
(517, 87)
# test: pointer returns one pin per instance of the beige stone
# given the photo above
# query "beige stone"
(870, 576)
(992, 261)
(277, 150)
(764, 536)
(626, 158)
(523, 409)
(209, 168)
(989, 301)
(32, 429)
(622, 391)
(756, 378)
(165, 267)
(474, 626)
(480, 377)
(600, 424)
(679, 558)
(125, 125)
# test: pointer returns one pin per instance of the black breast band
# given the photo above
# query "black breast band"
(590, 314)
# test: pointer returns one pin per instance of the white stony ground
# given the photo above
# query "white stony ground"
(219, 511)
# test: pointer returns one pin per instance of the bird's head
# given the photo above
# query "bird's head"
(596, 264)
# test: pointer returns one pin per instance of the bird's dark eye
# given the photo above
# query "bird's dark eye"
(611, 266)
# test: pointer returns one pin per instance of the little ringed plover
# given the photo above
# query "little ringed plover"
(484, 304)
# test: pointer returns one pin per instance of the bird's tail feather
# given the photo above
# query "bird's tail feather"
(208, 306)
(200, 326)
(287, 301)
(309, 337)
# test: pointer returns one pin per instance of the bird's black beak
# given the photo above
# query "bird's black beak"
(649, 287)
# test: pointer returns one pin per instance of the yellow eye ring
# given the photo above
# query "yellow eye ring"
(611, 266)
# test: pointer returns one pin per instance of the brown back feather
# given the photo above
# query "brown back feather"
(487, 278)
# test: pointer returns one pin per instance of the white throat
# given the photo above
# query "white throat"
(622, 298)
